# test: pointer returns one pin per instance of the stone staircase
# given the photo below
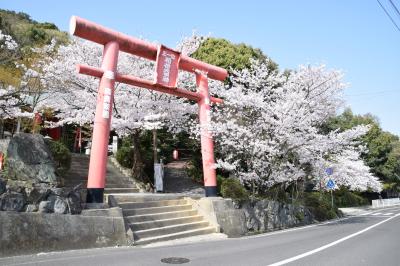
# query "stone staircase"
(116, 182)
(160, 217)
(150, 217)
(176, 179)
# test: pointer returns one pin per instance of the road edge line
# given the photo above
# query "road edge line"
(311, 252)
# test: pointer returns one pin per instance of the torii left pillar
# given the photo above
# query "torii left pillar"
(101, 128)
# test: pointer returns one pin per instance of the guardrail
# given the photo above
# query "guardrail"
(385, 202)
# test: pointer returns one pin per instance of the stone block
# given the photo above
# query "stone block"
(12, 201)
(45, 207)
(60, 206)
(29, 159)
(31, 208)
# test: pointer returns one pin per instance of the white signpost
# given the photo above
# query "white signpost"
(115, 144)
(159, 177)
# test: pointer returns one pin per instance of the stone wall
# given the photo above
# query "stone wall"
(28, 233)
(267, 215)
(249, 218)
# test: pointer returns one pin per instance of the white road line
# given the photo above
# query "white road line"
(377, 213)
(282, 262)
(378, 216)
(365, 213)
(389, 213)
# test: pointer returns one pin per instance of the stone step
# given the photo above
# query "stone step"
(160, 216)
(75, 178)
(107, 185)
(123, 185)
(189, 233)
(115, 182)
(80, 161)
(152, 210)
(149, 204)
(78, 170)
(113, 190)
(175, 173)
(73, 182)
(120, 182)
(109, 182)
(163, 223)
(167, 230)
(145, 197)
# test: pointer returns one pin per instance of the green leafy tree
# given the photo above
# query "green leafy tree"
(383, 148)
(222, 53)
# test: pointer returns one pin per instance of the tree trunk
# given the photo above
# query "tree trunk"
(138, 165)
(1, 129)
(155, 156)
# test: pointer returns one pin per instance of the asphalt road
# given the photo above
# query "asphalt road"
(370, 239)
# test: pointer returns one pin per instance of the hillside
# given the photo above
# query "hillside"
(29, 34)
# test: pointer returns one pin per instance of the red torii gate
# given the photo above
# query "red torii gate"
(168, 63)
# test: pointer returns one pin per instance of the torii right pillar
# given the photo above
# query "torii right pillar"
(207, 144)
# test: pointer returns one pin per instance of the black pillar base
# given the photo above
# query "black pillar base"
(95, 195)
(211, 191)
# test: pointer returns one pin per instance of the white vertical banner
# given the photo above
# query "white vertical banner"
(106, 103)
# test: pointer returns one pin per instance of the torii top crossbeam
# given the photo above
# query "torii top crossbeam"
(168, 63)
(93, 32)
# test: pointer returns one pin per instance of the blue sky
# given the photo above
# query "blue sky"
(352, 35)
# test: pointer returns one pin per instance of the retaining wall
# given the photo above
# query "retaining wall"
(28, 233)
(385, 202)
(260, 216)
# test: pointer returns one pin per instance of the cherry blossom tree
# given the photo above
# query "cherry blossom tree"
(73, 96)
(10, 102)
(8, 48)
(268, 130)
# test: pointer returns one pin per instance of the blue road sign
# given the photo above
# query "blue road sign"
(330, 184)
(329, 171)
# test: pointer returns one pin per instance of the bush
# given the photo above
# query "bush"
(346, 198)
(232, 188)
(195, 173)
(124, 156)
(61, 155)
(220, 180)
(320, 206)
(276, 193)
